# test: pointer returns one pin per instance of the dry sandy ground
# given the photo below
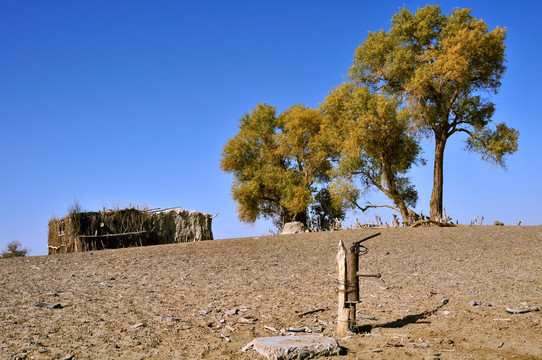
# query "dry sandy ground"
(207, 300)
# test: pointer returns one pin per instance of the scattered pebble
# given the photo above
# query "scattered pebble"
(445, 313)
(48, 305)
(297, 329)
(316, 328)
(232, 312)
(246, 321)
(171, 318)
(522, 311)
(396, 344)
(269, 328)
(474, 303)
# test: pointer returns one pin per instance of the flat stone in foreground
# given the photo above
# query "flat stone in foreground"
(294, 347)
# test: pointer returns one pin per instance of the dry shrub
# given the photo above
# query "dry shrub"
(14, 249)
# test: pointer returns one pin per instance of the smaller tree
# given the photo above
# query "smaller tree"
(14, 249)
(279, 163)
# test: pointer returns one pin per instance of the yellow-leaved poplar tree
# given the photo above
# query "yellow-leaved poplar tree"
(279, 163)
(442, 67)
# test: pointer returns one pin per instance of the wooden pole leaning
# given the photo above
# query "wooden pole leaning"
(343, 310)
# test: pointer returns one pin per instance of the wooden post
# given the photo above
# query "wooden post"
(343, 310)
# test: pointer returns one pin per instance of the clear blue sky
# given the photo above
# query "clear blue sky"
(113, 102)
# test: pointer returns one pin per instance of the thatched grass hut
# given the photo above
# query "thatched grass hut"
(111, 229)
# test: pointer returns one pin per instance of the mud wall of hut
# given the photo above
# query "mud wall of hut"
(179, 225)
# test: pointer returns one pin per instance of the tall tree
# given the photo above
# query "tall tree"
(442, 66)
(278, 162)
(376, 147)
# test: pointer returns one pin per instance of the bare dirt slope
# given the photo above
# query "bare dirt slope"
(207, 300)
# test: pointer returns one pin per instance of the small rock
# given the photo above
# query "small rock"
(446, 313)
(68, 357)
(297, 329)
(171, 318)
(48, 305)
(293, 228)
(231, 312)
(316, 328)
(478, 303)
(521, 311)
(246, 321)
(445, 301)
(139, 325)
(424, 345)
(269, 328)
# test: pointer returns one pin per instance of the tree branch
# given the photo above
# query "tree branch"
(465, 131)
(371, 206)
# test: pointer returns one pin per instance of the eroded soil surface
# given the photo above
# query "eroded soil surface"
(207, 300)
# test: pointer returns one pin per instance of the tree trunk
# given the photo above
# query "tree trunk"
(405, 215)
(393, 193)
(438, 176)
(301, 217)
